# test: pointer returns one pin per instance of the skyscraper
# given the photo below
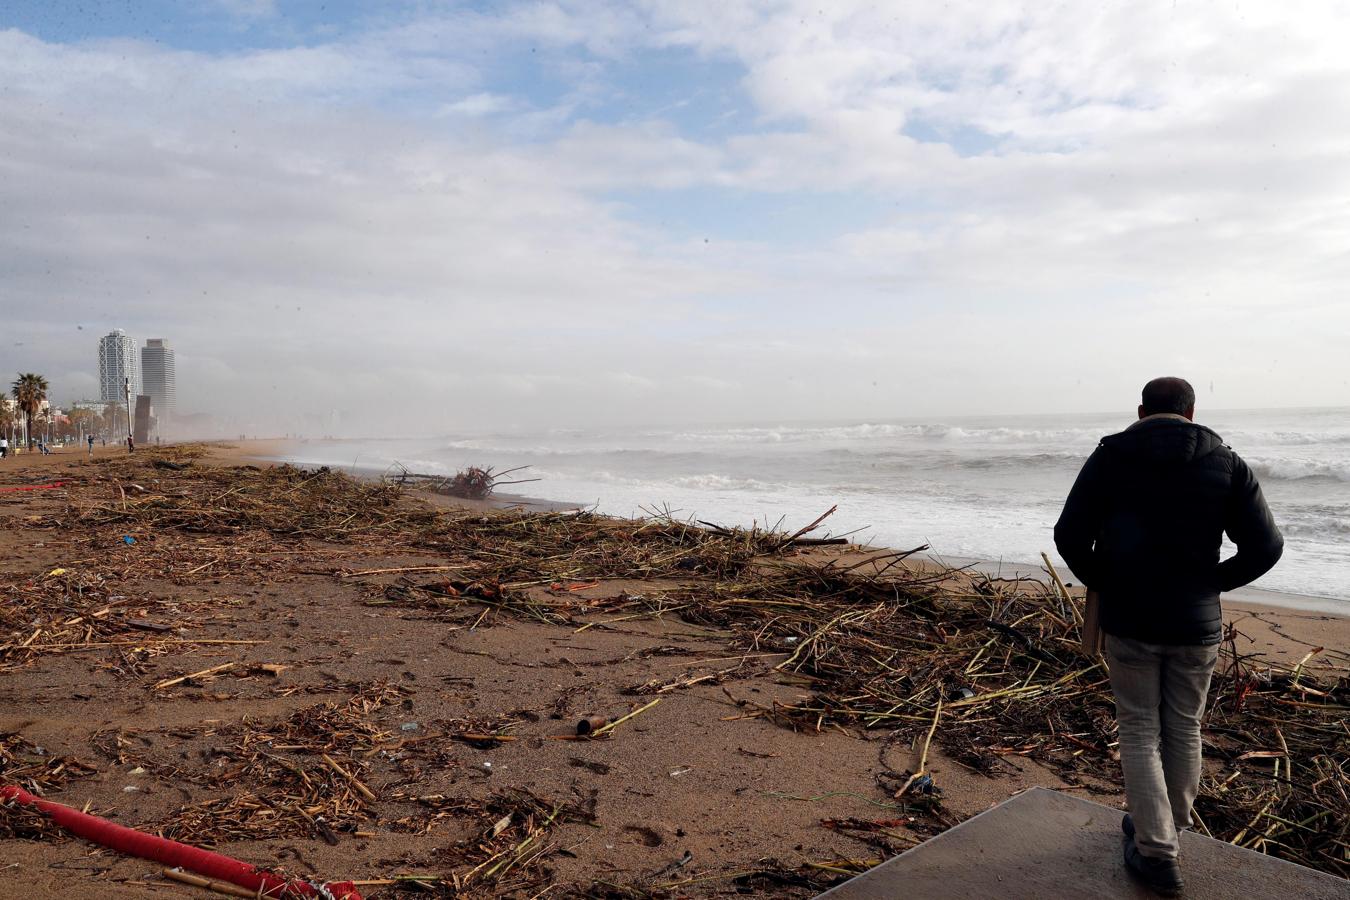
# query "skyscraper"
(157, 371)
(117, 361)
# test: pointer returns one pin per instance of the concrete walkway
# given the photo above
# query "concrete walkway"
(1042, 844)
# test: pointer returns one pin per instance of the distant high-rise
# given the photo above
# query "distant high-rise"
(118, 361)
(157, 371)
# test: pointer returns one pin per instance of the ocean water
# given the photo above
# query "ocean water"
(972, 488)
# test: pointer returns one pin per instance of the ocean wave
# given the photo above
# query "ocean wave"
(667, 487)
(488, 447)
(1240, 438)
(795, 434)
(1014, 461)
(948, 458)
(712, 482)
(1334, 528)
(870, 431)
(1278, 468)
(574, 442)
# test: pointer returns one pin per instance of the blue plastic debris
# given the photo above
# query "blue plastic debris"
(128, 539)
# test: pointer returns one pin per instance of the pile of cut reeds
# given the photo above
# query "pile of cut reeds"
(989, 670)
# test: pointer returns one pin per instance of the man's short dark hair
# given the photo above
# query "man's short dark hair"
(1168, 395)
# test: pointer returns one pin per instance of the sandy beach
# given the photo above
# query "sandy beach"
(452, 706)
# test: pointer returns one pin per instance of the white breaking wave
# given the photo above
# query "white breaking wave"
(1327, 528)
(671, 488)
(867, 431)
(1297, 469)
(1240, 438)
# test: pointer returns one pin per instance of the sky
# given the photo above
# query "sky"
(430, 217)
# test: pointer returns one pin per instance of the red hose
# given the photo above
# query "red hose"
(172, 853)
(32, 487)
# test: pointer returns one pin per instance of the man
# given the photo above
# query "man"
(1142, 526)
(4, 447)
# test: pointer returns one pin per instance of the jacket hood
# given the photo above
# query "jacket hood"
(1165, 439)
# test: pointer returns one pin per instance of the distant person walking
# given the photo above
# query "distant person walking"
(4, 447)
(1142, 526)
(91, 446)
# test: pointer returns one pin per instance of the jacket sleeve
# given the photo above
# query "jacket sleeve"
(1081, 521)
(1252, 528)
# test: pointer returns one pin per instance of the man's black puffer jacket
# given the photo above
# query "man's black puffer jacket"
(1144, 523)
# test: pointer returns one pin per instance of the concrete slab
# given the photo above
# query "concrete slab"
(1043, 844)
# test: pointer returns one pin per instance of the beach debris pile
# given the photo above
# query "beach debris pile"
(471, 483)
(82, 610)
(1284, 788)
(39, 771)
(302, 775)
(989, 670)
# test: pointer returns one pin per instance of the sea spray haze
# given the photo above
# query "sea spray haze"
(974, 488)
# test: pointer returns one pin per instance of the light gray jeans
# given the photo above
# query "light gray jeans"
(1160, 698)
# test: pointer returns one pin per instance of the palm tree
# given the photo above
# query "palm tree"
(30, 390)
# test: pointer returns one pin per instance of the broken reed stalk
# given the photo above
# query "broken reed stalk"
(520, 848)
(1066, 598)
(606, 729)
(922, 768)
(214, 670)
(216, 887)
(355, 782)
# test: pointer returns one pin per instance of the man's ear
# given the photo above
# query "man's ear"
(1190, 413)
(1142, 414)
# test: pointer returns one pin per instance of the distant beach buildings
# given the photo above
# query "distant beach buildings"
(117, 362)
(157, 373)
(153, 376)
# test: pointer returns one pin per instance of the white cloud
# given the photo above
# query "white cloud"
(247, 9)
(386, 222)
(483, 103)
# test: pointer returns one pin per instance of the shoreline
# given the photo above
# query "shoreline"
(1284, 625)
(1253, 598)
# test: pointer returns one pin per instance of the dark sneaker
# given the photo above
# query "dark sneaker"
(1162, 875)
(1127, 826)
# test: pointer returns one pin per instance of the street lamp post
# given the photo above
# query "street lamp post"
(131, 441)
